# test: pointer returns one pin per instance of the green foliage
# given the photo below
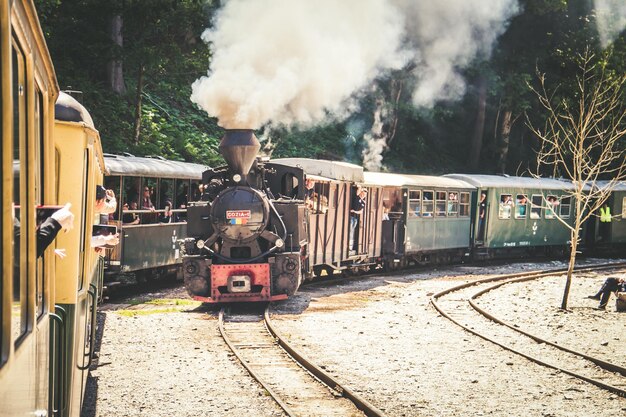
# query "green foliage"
(162, 42)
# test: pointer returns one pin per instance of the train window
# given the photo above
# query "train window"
(551, 203)
(464, 203)
(453, 203)
(131, 190)
(194, 192)
(521, 206)
(39, 197)
(415, 203)
(165, 192)
(505, 207)
(535, 206)
(151, 184)
(319, 200)
(440, 206)
(565, 207)
(427, 204)
(114, 183)
(182, 193)
(20, 309)
(392, 198)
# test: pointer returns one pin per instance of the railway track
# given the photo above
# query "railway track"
(297, 385)
(458, 304)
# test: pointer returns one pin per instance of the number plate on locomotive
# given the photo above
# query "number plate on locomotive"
(238, 216)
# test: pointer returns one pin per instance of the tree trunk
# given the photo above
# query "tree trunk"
(115, 69)
(479, 126)
(138, 99)
(505, 135)
(570, 267)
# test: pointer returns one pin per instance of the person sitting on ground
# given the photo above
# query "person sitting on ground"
(611, 285)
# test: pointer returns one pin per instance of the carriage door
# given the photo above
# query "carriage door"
(393, 221)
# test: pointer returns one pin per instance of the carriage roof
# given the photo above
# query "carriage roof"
(617, 186)
(138, 166)
(503, 181)
(403, 180)
(336, 170)
(68, 109)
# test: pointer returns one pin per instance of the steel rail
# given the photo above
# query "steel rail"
(320, 374)
(253, 374)
(526, 276)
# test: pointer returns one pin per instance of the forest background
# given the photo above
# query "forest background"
(133, 62)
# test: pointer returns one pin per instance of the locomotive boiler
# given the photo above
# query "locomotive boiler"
(244, 244)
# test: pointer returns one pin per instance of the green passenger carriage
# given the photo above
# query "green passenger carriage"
(149, 248)
(426, 218)
(521, 215)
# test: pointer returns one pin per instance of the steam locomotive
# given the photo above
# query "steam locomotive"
(256, 235)
(244, 243)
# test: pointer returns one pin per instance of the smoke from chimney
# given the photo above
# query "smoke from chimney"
(610, 19)
(296, 61)
(300, 62)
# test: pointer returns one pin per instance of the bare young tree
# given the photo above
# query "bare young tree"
(583, 141)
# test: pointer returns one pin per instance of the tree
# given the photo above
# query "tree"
(583, 141)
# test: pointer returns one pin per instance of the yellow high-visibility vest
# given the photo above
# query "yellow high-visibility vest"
(605, 215)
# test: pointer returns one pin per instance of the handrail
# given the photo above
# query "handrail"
(92, 331)
(57, 368)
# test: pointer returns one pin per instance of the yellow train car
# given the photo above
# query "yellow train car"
(48, 303)
(79, 167)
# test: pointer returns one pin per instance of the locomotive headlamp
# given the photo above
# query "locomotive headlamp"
(279, 243)
(200, 244)
(236, 177)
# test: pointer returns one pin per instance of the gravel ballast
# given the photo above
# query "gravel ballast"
(377, 334)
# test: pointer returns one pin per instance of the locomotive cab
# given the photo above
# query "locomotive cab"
(241, 244)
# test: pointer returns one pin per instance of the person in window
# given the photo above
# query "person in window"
(50, 227)
(505, 206)
(356, 212)
(130, 218)
(181, 216)
(310, 197)
(521, 206)
(611, 285)
(146, 201)
(166, 216)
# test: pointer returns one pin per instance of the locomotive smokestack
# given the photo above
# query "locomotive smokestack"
(239, 148)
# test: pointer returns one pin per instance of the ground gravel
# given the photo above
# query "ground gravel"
(379, 334)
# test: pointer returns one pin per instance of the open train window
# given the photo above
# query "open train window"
(428, 204)
(565, 207)
(505, 207)
(166, 190)
(453, 203)
(182, 193)
(20, 308)
(535, 206)
(521, 206)
(440, 206)
(551, 205)
(289, 185)
(392, 201)
(415, 203)
(39, 198)
(464, 203)
(319, 199)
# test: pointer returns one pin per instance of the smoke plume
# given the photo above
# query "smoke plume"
(296, 61)
(447, 36)
(611, 19)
